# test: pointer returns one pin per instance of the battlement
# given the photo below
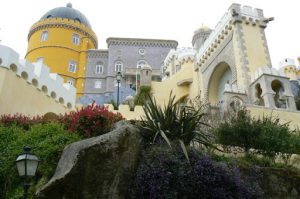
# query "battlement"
(38, 75)
(267, 71)
(124, 110)
(248, 11)
(181, 54)
(236, 12)
(112, 41)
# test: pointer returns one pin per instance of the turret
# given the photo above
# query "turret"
(289, 68)
(200, 36)
(146, 75)
(60, 39)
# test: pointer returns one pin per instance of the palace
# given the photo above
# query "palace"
(63, 39)
(225, 67)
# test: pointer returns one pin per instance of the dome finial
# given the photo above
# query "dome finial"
(69, 5)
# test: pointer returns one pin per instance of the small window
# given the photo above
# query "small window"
(99, 68)
(72, 66)
(40, 60)
(71, 82)
(118, 66)
(44, 36)
(141, 64)
(76, 39)
(98, 84)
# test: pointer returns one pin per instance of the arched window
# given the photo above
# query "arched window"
(280, 98)
(140, 64)
(118, 66)
(98, 84)
(99, 68)
(44, 36)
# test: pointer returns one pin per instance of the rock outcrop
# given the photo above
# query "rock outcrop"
(100, 167)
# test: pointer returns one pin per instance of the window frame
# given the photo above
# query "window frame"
(98, 84)
(72, 66)
(76, 39)
(139, 65)
(99, 69)
(45, 35)
(118, 66)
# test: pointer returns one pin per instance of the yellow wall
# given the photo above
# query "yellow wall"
(59, 49)
(124, 110)
(17, 96)
(161, 90)
(284, 115)
(255, 49)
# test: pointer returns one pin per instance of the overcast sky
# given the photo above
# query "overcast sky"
(157, 19)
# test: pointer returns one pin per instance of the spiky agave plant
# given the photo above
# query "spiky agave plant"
(174, 123)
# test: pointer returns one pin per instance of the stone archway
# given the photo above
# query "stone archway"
(221, 75)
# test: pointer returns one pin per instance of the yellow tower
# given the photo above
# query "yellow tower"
(61, 39)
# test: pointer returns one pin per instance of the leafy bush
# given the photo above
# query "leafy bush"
(163, 173)
(19, 120)
(173, 123)
(266, 135)
(142, 95)
(241, 130)
(275, 138)
(47, 141)
(90, 121)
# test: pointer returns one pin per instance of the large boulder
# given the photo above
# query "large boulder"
(99, 167)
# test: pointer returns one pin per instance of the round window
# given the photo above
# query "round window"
(142, 51)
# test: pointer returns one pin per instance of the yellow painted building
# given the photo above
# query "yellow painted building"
(60, 39)
(230, 66)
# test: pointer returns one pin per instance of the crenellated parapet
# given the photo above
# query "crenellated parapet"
(141, 42)
(95, 53)
(235, 14)
(38, 75)
(267, 71)
(181, 54)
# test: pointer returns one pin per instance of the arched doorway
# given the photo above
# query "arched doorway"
(221, 75)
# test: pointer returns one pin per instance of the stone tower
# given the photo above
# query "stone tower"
(200, 36)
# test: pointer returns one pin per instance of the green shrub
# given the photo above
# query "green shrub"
(47, 141)
(267, 136)
(142, 95)
(241, 130)
(275, 138)
(173, 123)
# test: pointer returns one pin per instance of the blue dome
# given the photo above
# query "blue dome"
(69, 13)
